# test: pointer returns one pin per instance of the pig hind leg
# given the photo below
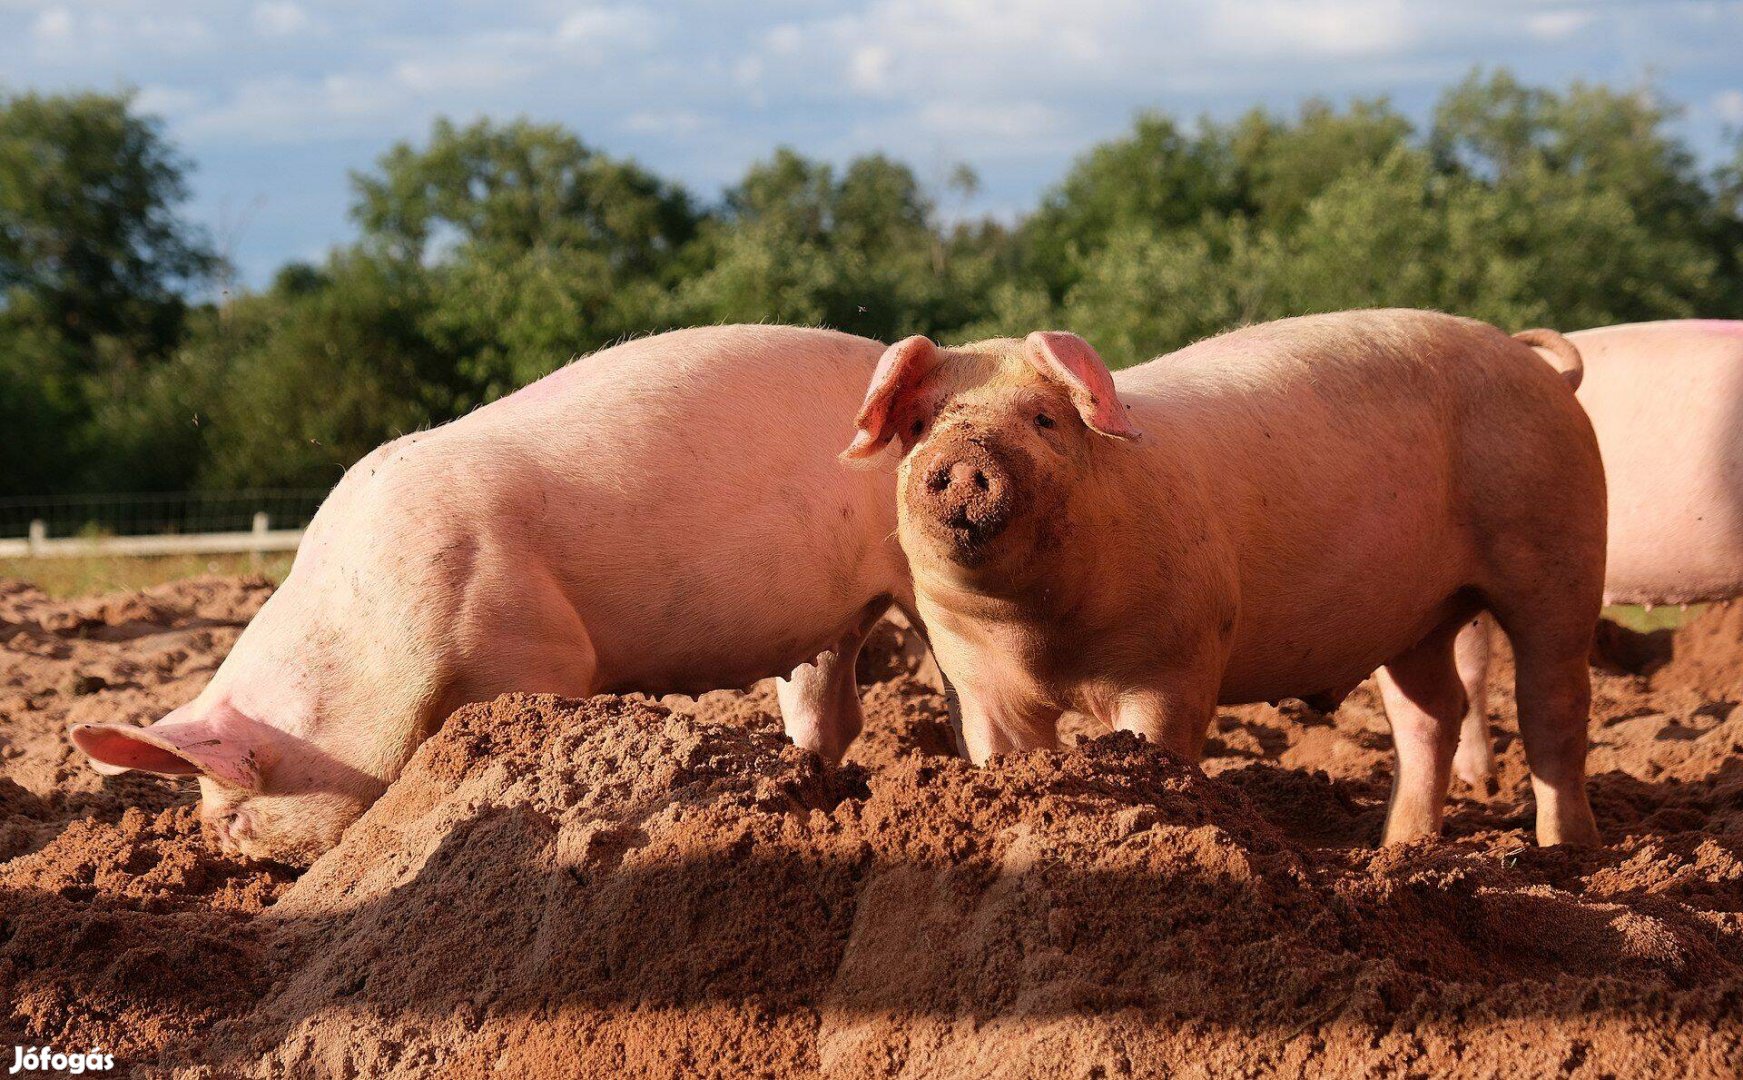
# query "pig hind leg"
(1474, 762)
(1549, 608)
(1553, 683)
(1425, 704)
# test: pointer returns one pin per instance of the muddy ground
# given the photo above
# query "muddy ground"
(622, 887)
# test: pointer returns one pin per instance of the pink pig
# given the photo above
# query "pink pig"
(665, 516)
(1666, 400)
(1271, 513)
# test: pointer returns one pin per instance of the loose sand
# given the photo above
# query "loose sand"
(624, 887)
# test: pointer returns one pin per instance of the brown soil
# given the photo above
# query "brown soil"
(627, 887)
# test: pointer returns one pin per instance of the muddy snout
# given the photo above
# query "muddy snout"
(968, 491)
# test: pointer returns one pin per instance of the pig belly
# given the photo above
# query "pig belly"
(1691, 555)
(726, 622)
(1336, 650)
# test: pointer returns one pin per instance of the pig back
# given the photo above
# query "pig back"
(1350, 460)
(684, 491)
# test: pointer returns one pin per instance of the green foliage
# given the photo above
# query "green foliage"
(93, 266)
(860, 252)
(90, 247)
(536, 247)
(300, 382)
(494, 252)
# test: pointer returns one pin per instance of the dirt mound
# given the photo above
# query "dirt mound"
(118, 927)
(1704, 655)
(629, 887)
(614, 886)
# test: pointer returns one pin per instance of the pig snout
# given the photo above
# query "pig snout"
(968, 492)
(232, 829)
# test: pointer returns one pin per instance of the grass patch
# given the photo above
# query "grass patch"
(1663, 617)
(69, 578)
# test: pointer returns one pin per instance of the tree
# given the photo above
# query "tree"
(1159, 178)
(861, 252)
(91, 247)
(295, 384)
(537, 246)
(95, 264)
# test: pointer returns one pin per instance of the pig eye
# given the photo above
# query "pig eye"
(1042, 420)
(919, 426)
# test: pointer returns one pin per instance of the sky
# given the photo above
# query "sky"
(274, 101)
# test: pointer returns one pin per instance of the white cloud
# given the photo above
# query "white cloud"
(165, 100)
(670, 122)
(1326, 28)
(606, 27)
(53, 26)
(784, 40)
(1728, 106)
(1017, 121)
(1558, 25)
(280, 18)
(869, 69)
(437, 75)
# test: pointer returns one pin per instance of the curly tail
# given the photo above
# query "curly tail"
(1559, 351)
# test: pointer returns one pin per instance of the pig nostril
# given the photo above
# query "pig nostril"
(939, 480)
(980, 480)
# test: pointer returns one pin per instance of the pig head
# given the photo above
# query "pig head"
(996, 437)
(326, 693)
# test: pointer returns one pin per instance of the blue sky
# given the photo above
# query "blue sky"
(274, 100)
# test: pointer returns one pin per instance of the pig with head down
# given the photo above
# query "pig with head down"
(1271, 513)
(664, 516)
(1666, 401)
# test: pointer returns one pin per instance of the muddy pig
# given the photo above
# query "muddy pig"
(1271, 513)
(1666, 401)
(666, 516)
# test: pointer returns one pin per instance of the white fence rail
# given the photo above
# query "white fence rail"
(261, 539)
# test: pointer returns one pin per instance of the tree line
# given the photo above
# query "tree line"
(494, 252)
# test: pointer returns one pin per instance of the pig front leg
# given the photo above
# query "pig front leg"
(1175, 714)
(1001, 723)
(820, 707)
(820, 702)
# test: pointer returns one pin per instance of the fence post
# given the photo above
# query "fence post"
(260, 526)
(38, 536)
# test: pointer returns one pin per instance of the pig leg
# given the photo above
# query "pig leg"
(1474, 763)
(1554, 689)
(1551, 626)
(1175, 717)
(992, 724)
(1425, 701)
(820, 700)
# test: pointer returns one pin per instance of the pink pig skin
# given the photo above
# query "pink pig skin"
(1666, 401)
(666, 516)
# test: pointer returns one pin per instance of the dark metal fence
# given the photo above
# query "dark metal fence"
(151, 514)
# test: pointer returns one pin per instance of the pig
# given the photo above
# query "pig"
(1666, 400)
(664, 516)
(1270, 513)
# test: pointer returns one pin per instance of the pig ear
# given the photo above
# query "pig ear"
(1070, 361)
(186, 748)
(899, 370)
